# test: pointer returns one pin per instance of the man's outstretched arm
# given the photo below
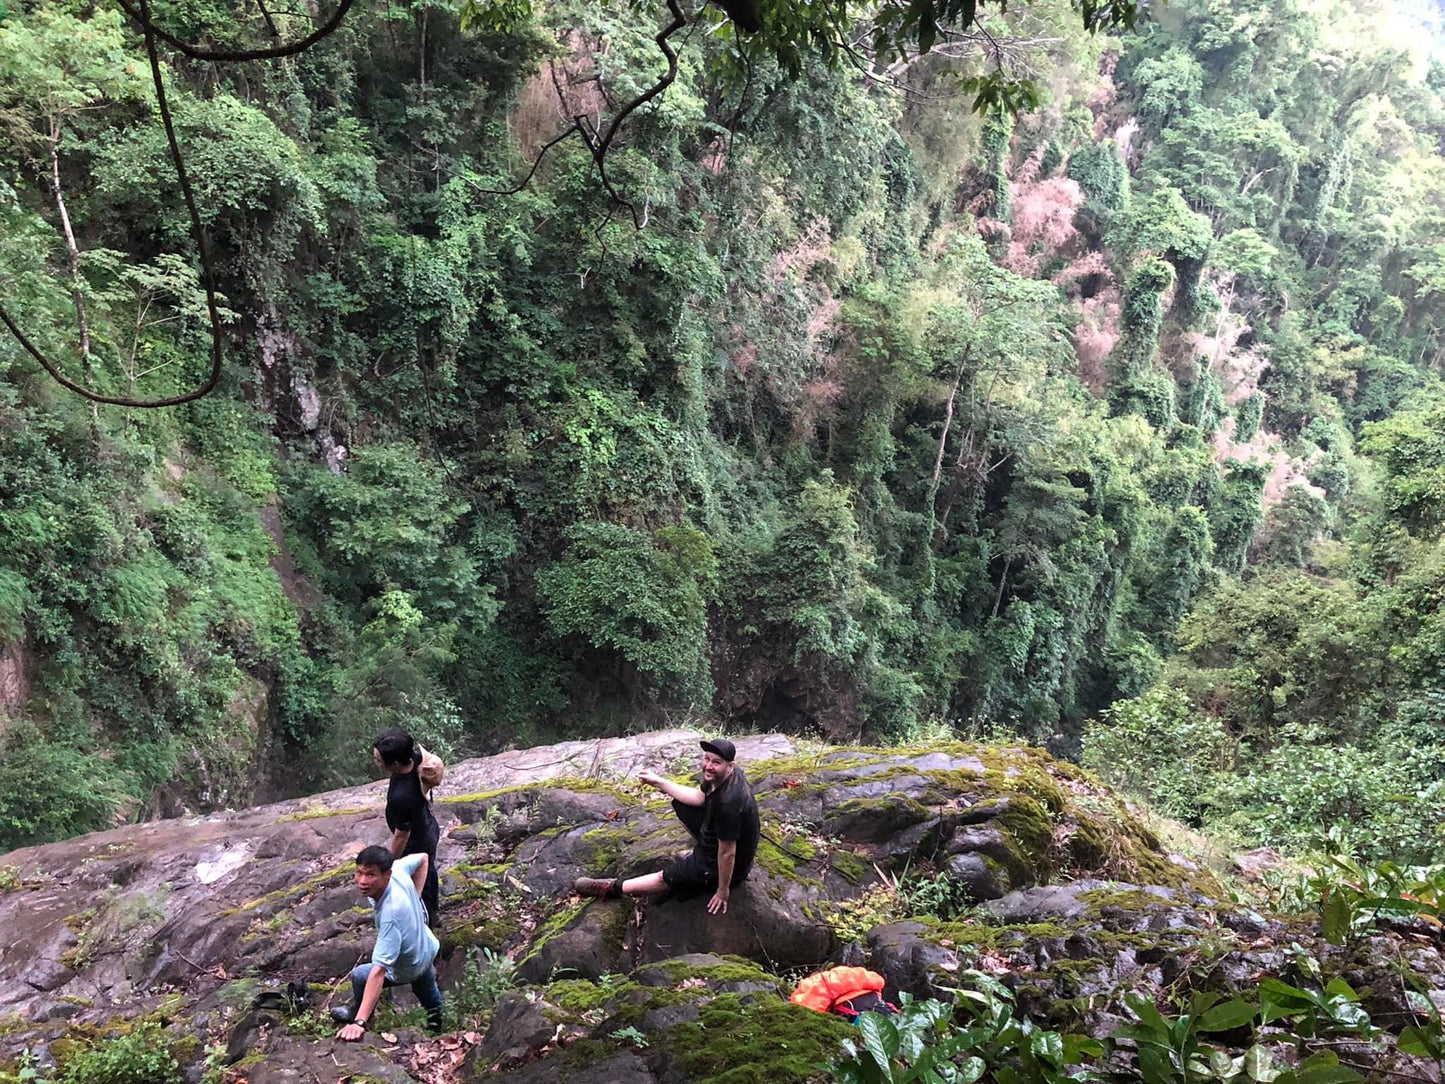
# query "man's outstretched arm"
(676, 791)
(370, 996)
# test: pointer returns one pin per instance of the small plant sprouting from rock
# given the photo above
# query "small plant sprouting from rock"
(486, 976)
(26, 1071)
(633, 1036)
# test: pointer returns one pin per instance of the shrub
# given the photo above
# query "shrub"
(141, 1057)
(1156, 745)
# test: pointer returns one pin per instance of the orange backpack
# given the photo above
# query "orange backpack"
(835, 989)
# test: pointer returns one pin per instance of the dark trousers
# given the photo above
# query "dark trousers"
(691, 817)
(424, 986)
(431, 892)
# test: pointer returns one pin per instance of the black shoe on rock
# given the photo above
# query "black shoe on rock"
(343, 1014)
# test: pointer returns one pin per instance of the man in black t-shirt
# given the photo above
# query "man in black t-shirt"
(722, 816)
(408, 811)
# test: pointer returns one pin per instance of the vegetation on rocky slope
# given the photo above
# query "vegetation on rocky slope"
(1039, 926)
(893, 419)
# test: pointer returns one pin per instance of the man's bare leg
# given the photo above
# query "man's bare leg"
(602, 888)
(649, 885)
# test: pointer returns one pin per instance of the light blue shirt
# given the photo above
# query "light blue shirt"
(404, 945)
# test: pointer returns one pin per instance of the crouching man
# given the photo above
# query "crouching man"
(405, 947)
(722, 817)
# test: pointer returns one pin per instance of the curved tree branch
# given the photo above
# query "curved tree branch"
(599, 147)
(140, 12)
(574, 128)
(197, 233)
(598, 144)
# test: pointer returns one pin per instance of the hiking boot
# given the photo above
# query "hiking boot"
(600, 887)
(343, 1014)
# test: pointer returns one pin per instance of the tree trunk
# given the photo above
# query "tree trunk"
(72, 248)
(947, 423)
(1003, 579)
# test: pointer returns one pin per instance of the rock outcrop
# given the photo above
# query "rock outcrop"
(178, 924)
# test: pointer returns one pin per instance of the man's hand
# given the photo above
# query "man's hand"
(351, 1033)
(676, 791)
(718, 905)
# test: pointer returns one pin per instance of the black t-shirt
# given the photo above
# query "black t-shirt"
(407, 810)
(730, 814)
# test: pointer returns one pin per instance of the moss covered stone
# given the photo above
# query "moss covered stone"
(576, 784)
(731, 969)
(756, 1041)
(780, 862)
(850, 865)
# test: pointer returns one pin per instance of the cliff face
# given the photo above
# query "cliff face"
(178, 925)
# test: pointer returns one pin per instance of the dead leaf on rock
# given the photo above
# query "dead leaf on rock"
(472, 1038)
(388, 1037)
(993, 963)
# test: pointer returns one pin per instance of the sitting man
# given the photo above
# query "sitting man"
(723, 819)
(405, 947)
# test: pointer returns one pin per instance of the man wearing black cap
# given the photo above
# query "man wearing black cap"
(722, 816)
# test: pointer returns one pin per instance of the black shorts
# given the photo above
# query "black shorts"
(690, 876)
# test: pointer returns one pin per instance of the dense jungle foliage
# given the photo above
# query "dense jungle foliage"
(1115, 424)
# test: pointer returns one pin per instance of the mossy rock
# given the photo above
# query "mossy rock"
(716, 972)
(762, 1040)
(582, 940)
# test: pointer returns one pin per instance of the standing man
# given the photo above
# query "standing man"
(722, 816)
(408, 811)
(404, 949)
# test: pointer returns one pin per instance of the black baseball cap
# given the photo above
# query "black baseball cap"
(720, 747)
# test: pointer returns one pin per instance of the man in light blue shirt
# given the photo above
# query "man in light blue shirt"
(405, 947)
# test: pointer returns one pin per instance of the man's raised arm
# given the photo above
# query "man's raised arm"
(418, 875)
(675, 791)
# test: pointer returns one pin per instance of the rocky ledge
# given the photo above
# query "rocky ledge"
(175, 926)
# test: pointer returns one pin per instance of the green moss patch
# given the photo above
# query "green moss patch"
(734, 969)
(755, 1041)
(325, 879)
(576, 784)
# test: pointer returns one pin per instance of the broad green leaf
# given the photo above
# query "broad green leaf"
(1338, 987)
(1336, 918)
(1079, 1047)
(1221, 1064)
(1148, 1012)
(1417, 1042)
(1232, 1014)
(1324, 1068)
(1329, 1074)
(971, 1070)
(1156, 1066)
(880, 1039)
(1048, 1046)
(1259, 1065)
(1279, 999)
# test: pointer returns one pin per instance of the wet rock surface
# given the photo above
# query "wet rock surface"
(180, 923)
